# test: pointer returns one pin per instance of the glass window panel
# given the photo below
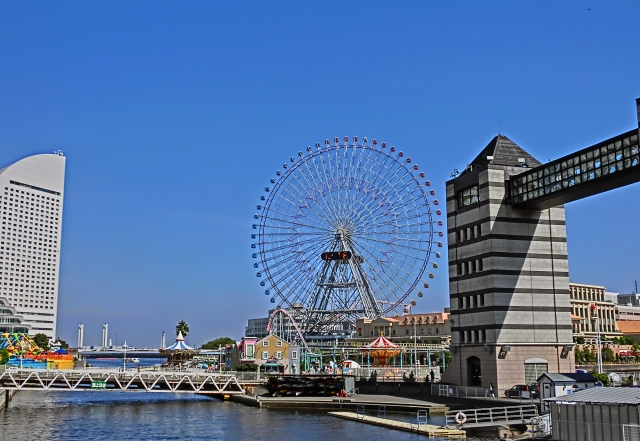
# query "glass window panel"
(583, 158)
(565, 184)
(591, 175)
(564, 165)
(596, 153)
(627, 163)
(634, 161)
(589, 155)
(611, 148)
(603, 151)
(597, 163)
(626, 142)
(634, 139)
(626, 152)
(618, 145)
(634, 149)
(556, 167)
(589, 165)
(598, 173)
(618, 155)
(619, 165)
(605, 170)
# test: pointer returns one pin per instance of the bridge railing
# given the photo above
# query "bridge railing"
(240, 376)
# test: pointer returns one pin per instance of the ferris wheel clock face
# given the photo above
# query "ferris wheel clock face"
(345, 230)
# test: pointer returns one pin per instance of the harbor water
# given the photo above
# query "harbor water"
(165, 416)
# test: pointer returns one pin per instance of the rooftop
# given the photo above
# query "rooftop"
(571, 377)
(628, 326)
(605, 395)
(504, 152)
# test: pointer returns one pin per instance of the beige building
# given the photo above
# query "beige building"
(273, 353)
(430, 328)
(584, 321)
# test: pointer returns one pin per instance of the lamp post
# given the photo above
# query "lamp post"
(594, 315)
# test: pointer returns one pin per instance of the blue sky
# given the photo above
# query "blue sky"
(174, 115)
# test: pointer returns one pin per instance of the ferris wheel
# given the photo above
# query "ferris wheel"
(346, 230)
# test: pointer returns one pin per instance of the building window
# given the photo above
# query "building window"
(265, 355)
(279, 355)
(468, 196)
(279, 343)
(265, 343)
(294, 355)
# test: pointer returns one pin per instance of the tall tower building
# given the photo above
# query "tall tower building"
(508, 277)
(32, 191)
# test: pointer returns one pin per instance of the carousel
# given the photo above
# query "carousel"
(179, 353)
(381, 350)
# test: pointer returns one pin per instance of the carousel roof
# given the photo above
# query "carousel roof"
(179, 345)
(382, 343)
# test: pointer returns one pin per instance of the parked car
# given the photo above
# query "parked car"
(523, 391)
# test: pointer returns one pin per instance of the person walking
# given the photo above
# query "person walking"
(491, 391)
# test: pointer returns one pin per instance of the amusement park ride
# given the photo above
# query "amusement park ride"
(344, 231)
(24, 352)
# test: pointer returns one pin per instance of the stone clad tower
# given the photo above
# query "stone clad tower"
(508, 277)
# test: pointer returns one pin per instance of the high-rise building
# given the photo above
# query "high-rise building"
(32, 191)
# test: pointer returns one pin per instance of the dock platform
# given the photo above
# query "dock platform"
(423, 429)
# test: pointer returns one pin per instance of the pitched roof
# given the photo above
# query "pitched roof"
(628, 326)
(615, 395)
(505, 152)
(570, 377)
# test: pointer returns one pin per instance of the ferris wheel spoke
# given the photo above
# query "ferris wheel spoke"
(303, 204)
(298, 224)
(392, 280)
(330, 205)
(316, 184)
(391, 244)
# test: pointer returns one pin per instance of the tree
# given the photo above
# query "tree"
(578, 355)
(4, 356)
(215, 344)
(63, 344)
(182, 327)
(603, 378)
(42, 341)
(608, 355)
(247, 367)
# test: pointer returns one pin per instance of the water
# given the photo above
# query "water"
(166, 416)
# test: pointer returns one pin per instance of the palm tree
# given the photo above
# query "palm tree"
(182, 327)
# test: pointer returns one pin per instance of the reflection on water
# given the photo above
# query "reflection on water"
(164, 416)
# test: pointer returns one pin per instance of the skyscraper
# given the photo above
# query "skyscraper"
(32, 191)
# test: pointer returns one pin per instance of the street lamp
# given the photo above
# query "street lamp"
(594, 315)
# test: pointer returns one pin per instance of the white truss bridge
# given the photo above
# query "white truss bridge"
(124, 381)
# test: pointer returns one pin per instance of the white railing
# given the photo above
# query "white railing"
(485, 393)
(420, 373)
(113, 380)
(493, 416)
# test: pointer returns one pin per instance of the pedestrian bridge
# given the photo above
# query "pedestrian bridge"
(493, 416)
(126, 381)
